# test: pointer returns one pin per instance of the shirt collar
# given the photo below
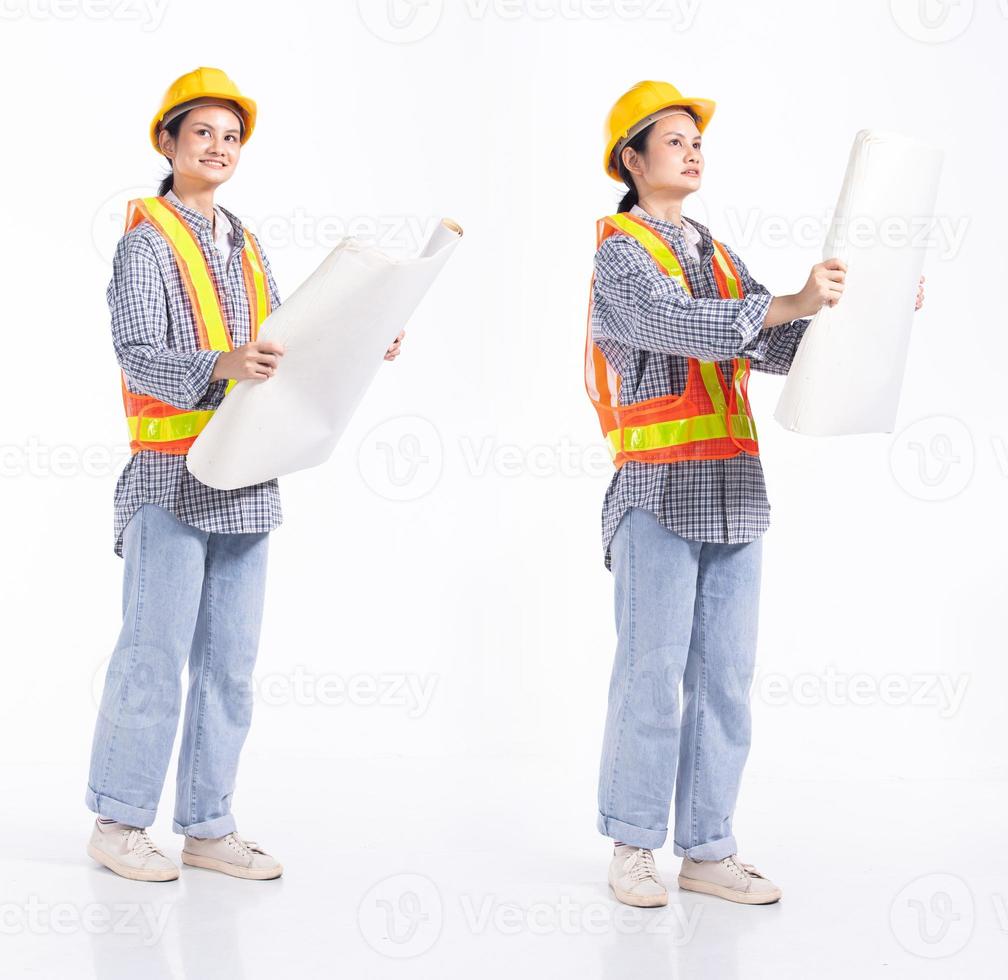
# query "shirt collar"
(227, 224)
(691, 230)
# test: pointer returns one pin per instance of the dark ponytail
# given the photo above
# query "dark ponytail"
(168, 181)
(628, 200)
(638, 142)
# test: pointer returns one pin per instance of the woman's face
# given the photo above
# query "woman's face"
(208, 145)
(672, 159)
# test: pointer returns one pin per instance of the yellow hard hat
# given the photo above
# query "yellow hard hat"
(638, 108)
(205, 83)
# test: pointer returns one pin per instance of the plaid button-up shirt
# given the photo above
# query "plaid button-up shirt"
(154, 336)
(648, 326)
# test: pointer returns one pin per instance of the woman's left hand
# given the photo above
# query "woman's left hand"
(393, 352)
(920, 294)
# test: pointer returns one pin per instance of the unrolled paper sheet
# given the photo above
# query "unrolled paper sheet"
(336, 328)
(848, 371)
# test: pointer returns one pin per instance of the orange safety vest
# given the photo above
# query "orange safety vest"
(154, 424)
(710, 419)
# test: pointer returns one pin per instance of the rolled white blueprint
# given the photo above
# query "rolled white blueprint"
(336, 328)
(848, 371)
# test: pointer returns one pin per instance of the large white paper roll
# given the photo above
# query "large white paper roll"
(848, 371)
(336, 328)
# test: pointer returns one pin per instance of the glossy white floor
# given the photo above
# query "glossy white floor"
(396, 868)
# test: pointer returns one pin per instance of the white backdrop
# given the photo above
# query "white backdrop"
(438, 630)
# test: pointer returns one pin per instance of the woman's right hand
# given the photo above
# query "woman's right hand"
(256, 359)
(824, 287)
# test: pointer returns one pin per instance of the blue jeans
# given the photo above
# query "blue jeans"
(686, 611)
(187, 595)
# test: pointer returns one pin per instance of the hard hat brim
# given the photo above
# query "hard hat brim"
(704, 108)
(247, 105)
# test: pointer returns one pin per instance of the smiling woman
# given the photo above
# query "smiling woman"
(201, 134)
(190, 288)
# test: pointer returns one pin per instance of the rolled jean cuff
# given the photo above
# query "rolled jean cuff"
(218, 827)
(713, 850)
(105, 806)
(629, 834)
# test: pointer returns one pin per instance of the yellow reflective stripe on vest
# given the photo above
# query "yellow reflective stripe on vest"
(743, 364)
(655, 247)
(182, 426)
(709, 372)
(660, 252)
(740, 399)
(185, 246)
(723, 265)
(677, 432)
(711, 382)
(258, 279)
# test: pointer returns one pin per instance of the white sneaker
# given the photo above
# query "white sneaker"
(728, 878)
(635, 879)
(232, 855)
(129, 852)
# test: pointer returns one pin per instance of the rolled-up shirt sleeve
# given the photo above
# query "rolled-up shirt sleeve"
(774, 349)
(139, 309)
(648, 310)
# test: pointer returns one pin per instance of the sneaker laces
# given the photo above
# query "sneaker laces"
(245, 847)
(640, 866)
(748, 869)
(138, 843)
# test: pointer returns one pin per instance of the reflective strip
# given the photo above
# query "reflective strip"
(256, 285)
(193, 266)
(204, 301)
(655, 246)
(712, 382)
(724, 263)
(185, 425)
(601, 380)
(677, 432)
(741, 370)
(695, 429)
(741, 373)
